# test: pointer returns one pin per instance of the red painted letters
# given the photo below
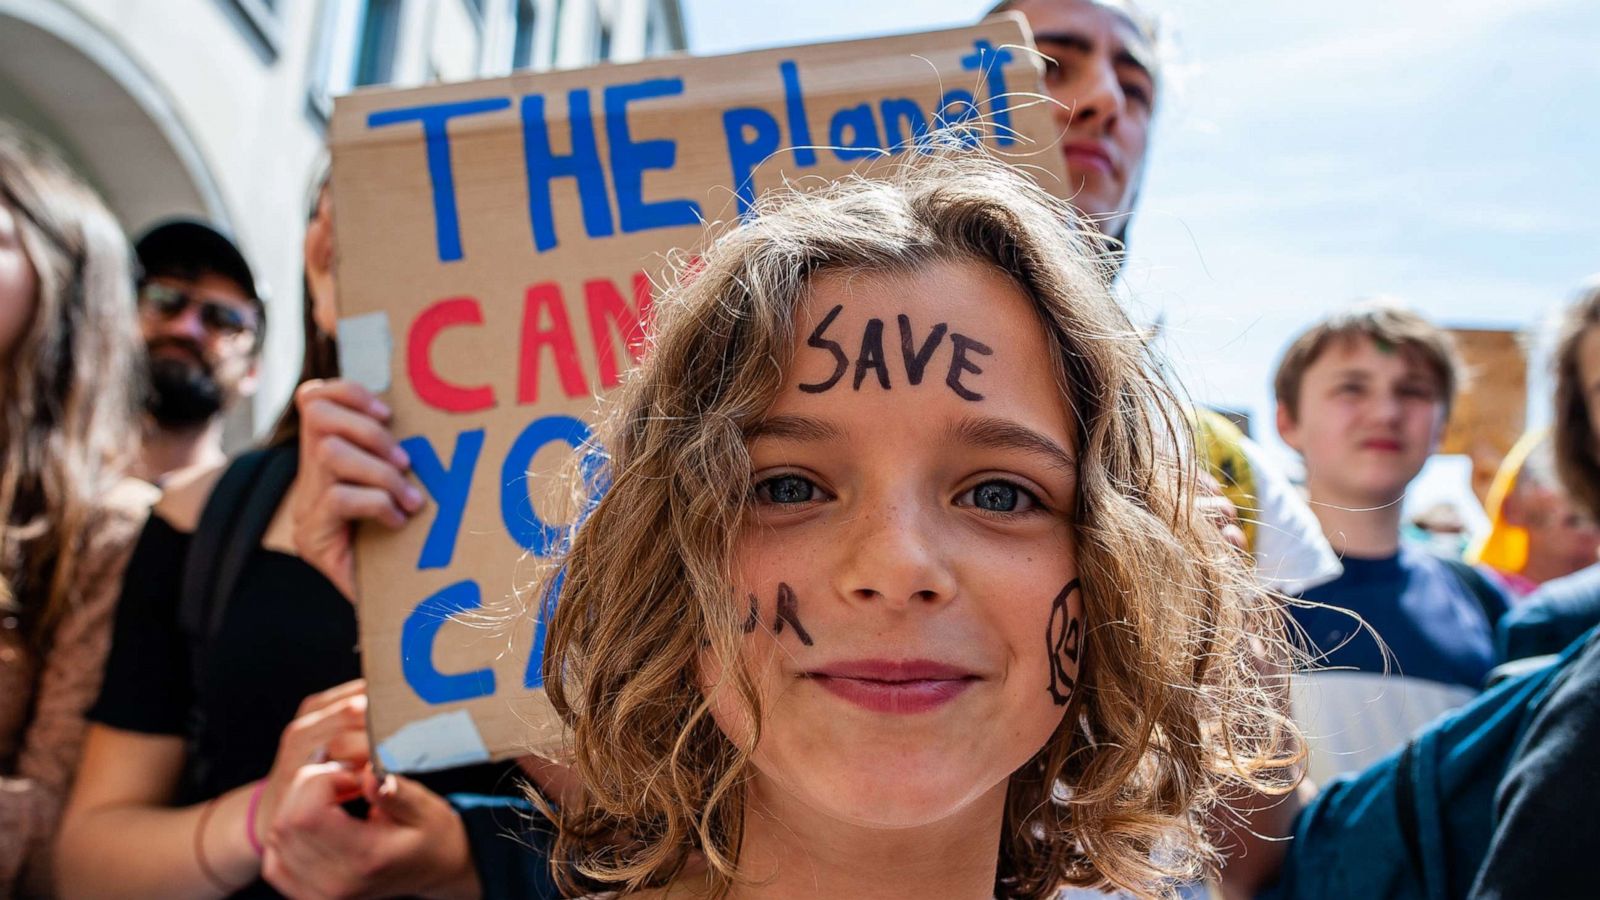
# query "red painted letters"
(606, 307)
(546, 332)
(432, 389)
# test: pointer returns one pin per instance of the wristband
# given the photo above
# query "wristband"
(200, 849)
(250, 819)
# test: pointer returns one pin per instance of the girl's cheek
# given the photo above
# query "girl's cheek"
(719, 684)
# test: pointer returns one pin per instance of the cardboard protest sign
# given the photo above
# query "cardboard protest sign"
(498, 245)
(1490, 413)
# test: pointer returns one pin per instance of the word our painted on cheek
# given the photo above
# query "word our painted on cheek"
(915, 355)
(1064, 645)
(546, 333)
(788, 611)
(450, 486)
(611, 190)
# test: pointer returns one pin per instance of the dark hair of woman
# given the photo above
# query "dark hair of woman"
(1573, 435)
(322, 351)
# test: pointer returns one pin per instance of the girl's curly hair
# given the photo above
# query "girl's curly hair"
(1173, 712)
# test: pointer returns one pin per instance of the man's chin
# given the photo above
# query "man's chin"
(183, 399)
(177, 418)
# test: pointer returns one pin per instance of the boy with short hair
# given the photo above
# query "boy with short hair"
(1363, 396)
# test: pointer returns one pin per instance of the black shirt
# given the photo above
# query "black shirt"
(287, 633)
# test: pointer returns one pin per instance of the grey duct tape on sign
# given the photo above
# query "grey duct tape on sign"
(365, 347)
(445, 741)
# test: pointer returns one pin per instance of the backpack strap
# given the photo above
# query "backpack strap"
(254, 516)
(211, 534)
(235, 517)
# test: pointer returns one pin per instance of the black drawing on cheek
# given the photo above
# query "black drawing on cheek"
(1063, 644)
(840, 361)
(871, 356)
(959, 363)
(917, 360)
(789, 611)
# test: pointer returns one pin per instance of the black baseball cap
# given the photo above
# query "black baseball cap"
(189, 247)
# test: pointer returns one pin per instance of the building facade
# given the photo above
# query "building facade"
(219, 108)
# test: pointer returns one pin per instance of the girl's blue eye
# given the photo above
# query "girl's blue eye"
(786, 489)
(1001, 497)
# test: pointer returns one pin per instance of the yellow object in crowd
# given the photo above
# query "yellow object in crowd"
(1505, 547)
(1219, 444)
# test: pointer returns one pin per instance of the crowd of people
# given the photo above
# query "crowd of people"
(1242, 680)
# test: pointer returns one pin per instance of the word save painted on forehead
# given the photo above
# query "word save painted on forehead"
(916, 352)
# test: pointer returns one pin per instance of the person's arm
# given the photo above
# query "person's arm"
(1551, 618)
(121, 837)
(1545, 830)
(32, 796)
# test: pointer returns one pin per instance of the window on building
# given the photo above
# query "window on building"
(265, 22)
(522, 39)
(602, 30)
(380, 38)
(652, 31)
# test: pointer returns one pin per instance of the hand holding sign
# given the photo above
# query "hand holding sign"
(329, 727)
(411, 843)
(351, 470)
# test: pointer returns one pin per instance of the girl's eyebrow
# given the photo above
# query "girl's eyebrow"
(999, 434)
(794, 428)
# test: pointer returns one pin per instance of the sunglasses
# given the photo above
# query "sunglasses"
(218, 316)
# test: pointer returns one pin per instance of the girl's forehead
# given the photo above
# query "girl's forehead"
(974, 299)
(945, 339)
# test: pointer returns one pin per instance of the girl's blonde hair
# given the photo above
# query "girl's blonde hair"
(69, 402)
(1171, 712)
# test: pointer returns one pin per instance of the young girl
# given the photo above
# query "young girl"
(897, 587)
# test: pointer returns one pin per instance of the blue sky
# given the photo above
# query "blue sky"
(1307, 154)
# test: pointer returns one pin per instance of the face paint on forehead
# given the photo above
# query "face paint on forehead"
(917, 350)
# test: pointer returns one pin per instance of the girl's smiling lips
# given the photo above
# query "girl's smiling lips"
(894, 686)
